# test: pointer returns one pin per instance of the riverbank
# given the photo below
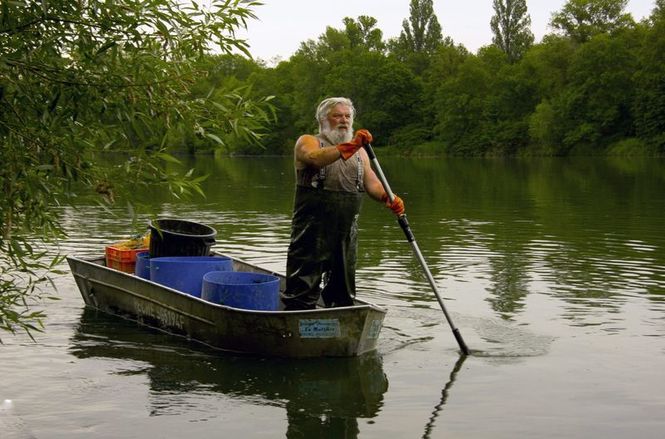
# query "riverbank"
(624, 148)
(631, 147)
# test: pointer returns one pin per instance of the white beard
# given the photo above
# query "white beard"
(337, 135)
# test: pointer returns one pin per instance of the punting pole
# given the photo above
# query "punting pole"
(404, 224)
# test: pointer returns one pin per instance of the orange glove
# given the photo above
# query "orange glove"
(397, 206)
(363, 137)
(346, 150)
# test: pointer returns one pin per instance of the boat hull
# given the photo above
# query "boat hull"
(335, 332)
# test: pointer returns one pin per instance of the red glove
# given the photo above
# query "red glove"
(397, 206)
(346, 150)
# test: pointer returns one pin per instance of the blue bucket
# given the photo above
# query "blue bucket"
(185, 273)
(142, 267)
(242, 290)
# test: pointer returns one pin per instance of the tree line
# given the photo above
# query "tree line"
(595, 85)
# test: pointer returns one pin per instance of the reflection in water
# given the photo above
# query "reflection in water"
(444, 397)
(321, 396)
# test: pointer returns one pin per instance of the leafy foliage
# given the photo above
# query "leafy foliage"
(649, 101)
(77, 78)
(582, 19)
(422, 31)
(588, 86)
(22, 272)
(364, 33)
(421, 35)
(658, 12)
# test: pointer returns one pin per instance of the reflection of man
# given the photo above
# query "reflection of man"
(327, 396)
(332, 172)
(305, 425)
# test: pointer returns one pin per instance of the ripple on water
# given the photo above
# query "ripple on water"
(412, 328)
(508, 341)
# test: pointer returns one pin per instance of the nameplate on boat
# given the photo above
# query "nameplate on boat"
(374, 329)
(319, 328)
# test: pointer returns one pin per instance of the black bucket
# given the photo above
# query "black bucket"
(171, 237)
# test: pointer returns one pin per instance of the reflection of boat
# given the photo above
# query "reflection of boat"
(318, 393)
(333, 332)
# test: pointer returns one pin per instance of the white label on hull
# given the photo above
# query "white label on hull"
(319, 328)
(374, 329)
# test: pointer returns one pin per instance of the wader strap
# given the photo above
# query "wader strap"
(319, 180)
(360, 172)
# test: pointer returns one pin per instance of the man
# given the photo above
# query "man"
(332, 173)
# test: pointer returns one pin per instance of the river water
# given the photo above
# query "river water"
(553, 270)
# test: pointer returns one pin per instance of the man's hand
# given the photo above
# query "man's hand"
(362, 138)
(397, 206)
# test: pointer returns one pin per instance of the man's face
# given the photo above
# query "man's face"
(340, 117)
(338, 126)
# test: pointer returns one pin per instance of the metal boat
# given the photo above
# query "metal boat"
(321, 332)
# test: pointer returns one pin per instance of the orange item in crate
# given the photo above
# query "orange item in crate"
(119, 257)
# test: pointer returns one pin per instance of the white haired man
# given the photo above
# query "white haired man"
(333, 172)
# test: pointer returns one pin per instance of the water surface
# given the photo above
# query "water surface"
(553, 270)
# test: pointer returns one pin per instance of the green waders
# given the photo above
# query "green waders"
(324, 238)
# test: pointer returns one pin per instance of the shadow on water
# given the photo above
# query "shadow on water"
(320, 395)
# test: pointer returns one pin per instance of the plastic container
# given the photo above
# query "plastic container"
(173, 237)
(241, 289)
(185, 273)
(119, 257)
(142, 268)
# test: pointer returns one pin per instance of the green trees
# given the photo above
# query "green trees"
(77, 78)
(582, 19)
(420, 36)
(422, 31)
(549, 65)
(593, 84)
(649, 102)
(511, 26)
(658, 12)
(364, 33)
(586, 105)
(349, 62)
(460, 103)
(598, 97)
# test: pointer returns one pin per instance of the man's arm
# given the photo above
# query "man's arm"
(375, 189)
(373, 185)
(308, 153)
